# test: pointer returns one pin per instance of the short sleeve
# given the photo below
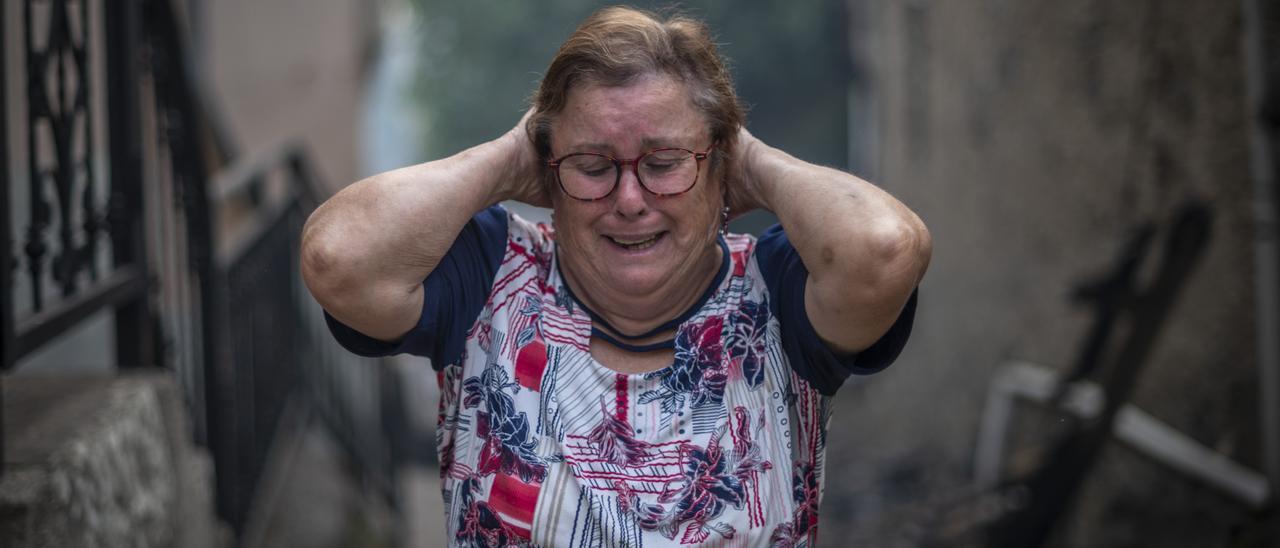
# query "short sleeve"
(454, 295)
(785, 277)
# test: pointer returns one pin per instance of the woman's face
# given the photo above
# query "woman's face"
(633, 242)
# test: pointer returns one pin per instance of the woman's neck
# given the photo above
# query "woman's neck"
(637, 314)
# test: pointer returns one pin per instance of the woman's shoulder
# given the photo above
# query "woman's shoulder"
(526, 240)
(530, 226)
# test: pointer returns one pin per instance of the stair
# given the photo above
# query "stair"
(103, 460)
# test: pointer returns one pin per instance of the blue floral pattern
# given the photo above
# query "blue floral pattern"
(508, 447)
(697, 370)
(714, 479)
(805, 491)
(747, 340)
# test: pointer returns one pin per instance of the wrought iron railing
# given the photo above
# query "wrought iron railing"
(70, 236)
(194, 254)
(275, 345)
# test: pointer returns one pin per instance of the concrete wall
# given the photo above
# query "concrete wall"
(282, 69)
(1031, 136)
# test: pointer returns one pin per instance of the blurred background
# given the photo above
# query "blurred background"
(1094, 360)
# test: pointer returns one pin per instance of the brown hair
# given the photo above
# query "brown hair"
(616, 45)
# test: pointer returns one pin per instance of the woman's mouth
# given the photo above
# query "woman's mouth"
(636, 243)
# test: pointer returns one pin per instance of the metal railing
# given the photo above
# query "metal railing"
(78, 247)
(201, 268)
(275, 345)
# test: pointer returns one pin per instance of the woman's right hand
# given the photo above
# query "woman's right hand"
(366, 250)
(525, 181)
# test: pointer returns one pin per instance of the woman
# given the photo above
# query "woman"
(631, 374)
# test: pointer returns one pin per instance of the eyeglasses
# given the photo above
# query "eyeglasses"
(588, 176)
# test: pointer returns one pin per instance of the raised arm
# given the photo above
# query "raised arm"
(366, 251)
(865, 251)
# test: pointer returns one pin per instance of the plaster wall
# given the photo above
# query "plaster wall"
(1032, 137)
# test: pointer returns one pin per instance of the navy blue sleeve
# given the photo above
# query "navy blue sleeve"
(785, 277)
(454, 294)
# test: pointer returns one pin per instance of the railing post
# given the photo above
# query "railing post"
(136, 340)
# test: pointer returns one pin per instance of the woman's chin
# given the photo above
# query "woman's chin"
(638, 282)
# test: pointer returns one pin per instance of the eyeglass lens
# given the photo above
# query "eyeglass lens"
(590, 176)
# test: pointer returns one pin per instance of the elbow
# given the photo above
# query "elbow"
(879, 273)
(324, 267)
(866, 289)
(897, 255)
(918, 249)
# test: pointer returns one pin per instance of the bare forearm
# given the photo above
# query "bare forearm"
(864, 249)
(833, 217)
(367, 249)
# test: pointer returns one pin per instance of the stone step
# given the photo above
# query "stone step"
(102, 460)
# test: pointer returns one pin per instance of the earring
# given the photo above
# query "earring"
(724, 220)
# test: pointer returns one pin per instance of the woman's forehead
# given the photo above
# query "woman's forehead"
(652, 111)
(679, 140)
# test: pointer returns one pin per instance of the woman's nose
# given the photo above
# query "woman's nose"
(631, 199)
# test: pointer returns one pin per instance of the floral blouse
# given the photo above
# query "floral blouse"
(539, 444)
